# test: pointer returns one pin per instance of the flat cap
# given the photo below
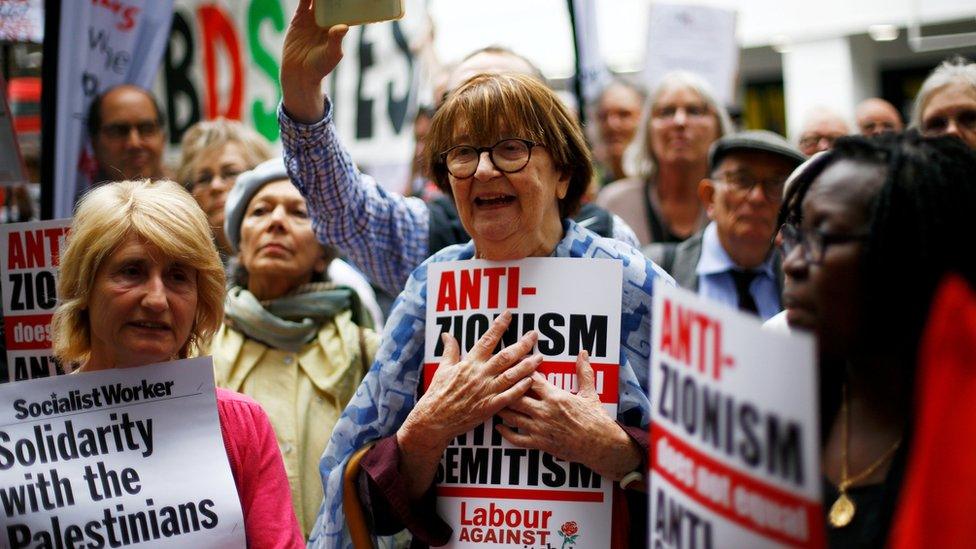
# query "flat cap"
(247, 185)
(754, 140)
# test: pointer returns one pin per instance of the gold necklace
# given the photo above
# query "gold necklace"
(842, 511)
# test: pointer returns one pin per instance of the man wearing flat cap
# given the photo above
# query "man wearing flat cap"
(732, 260)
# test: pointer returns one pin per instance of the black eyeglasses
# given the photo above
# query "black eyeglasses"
(743, 182)
(508, 156)
(813, 243)
(122, 130)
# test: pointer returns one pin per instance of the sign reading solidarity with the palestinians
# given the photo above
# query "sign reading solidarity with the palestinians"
(492, 492)
(28, 279)
(734, 430)
(115, 458)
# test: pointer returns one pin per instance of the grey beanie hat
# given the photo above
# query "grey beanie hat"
(247, 185)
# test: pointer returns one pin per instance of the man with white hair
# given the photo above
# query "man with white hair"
(821, 127)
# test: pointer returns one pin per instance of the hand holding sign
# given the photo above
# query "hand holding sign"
(462, 395)
(309, 54)
(574, 428)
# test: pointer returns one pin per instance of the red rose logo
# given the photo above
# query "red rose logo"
(569, 532)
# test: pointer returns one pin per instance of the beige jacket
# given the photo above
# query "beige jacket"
(303, 393)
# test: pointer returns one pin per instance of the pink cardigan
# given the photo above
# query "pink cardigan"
(255, 461)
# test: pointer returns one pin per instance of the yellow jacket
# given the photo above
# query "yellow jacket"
(303, 393)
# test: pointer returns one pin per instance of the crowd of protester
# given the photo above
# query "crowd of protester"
(269, 264)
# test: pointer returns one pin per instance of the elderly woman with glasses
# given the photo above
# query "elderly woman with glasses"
(869, 230)
(667, 159)
(141, 283)
(515, 161)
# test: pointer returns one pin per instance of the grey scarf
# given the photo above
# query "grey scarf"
(291, 321)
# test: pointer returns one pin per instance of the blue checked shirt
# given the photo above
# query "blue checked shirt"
(382, 233)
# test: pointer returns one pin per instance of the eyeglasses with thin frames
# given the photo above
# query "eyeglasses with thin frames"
(813, 243)
(508, 156)
(743, 182)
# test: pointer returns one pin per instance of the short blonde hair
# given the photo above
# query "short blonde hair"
(160, 213)
(491, 107)
(211, 135)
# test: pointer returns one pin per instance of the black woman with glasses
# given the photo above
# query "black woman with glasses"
(516, 163)
(869, 229)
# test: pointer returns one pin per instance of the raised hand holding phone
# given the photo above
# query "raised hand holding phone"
(310, 53)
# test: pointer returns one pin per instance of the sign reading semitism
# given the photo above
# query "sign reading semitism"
(28, 279)
(489, 491)
(114, 458)
(734, 430)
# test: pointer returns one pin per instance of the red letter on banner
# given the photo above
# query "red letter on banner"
(217, 28)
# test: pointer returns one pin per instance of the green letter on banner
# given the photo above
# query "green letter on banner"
(265, 117)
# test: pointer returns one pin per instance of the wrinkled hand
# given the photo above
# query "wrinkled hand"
(462, 395)
(465, 393)
(571, 427)
(310, 53)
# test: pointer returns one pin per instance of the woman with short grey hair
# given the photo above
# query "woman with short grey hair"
(946, 102)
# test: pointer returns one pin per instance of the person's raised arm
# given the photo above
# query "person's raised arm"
(383, 234)
(309, 55)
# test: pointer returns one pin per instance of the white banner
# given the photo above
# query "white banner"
(593, 70)
(735, 442)
(699, 39)
(224, 59)
(101, 45)
(116, 457)
(29, 255)
(22, 21)
(491, 492)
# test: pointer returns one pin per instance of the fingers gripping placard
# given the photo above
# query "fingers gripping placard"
(490, 491)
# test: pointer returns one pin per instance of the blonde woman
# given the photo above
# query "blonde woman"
(140, 283)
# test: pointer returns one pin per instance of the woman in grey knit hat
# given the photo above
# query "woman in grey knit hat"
(292, 340)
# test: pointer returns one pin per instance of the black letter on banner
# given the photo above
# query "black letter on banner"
(785, 457)
(397, 108)
(593, 338)
(177, 82)
(476, 327)
(749, 448)
(554, 343)
(364, 107)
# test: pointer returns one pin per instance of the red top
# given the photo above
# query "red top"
(259, 473)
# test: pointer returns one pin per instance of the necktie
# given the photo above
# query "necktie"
(742, 281)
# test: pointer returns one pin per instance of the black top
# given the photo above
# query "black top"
(875, 506)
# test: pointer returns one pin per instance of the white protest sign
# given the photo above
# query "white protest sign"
(101, 44)
(22, 20)
(489, 491)
(116, 457)
(700, 39)
(29, 255)
(734, 430)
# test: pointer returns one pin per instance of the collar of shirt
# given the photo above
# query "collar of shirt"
(715, 260)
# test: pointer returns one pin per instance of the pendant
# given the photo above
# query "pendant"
(841, 512)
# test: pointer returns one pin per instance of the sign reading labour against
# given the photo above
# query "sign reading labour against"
(116, 457)
(489, 491)
(28, 279)
(734, 430)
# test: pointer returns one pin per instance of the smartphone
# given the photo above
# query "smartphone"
(356, 12)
